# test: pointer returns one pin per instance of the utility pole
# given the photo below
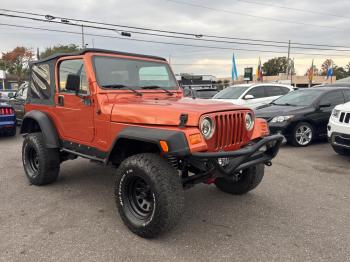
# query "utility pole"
(82, 37)
(288, 60)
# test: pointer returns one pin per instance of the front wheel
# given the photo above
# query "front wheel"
(245, 181)
(149, 195)
(302, 134)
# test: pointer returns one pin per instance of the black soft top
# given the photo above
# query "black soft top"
(95, 50)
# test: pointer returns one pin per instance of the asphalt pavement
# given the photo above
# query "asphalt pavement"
(300, 212)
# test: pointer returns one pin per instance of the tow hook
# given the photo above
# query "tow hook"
(268, 163)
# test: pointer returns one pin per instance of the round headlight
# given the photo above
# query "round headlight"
(207, 127)
(249, 121)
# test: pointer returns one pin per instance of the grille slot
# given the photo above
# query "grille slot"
(344, 118)
(229, 130)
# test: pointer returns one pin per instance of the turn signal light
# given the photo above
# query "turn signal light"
(195, 139)
(265, 128)
(164, 146)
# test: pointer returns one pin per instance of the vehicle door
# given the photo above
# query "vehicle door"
(74, 112)
(324, 109)
(254, 97)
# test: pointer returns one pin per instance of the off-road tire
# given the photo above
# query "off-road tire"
(341, 150)
(249, 179)
(165, 192)
(41, 164)
(293, 139)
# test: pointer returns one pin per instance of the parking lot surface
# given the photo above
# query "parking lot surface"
(300, 212)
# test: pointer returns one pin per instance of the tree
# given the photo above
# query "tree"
(340, 72)
(275, 66)
(59, 49)
(325, 65)
(16, 61)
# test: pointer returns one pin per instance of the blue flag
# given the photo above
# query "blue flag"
(234, 68)
(330, 72)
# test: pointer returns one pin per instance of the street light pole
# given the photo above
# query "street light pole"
(82, 37)
(288, 60)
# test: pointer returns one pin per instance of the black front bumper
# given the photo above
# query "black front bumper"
(248, 156)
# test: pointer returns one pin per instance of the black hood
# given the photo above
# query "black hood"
(269, 111)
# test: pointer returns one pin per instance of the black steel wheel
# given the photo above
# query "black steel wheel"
(41, 164)
(149, 195)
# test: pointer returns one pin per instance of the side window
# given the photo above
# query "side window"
(257, 92)
(273, 91)
(74, 66)
(347, 95)
(284, 90)
(333, 98)
(40, 86)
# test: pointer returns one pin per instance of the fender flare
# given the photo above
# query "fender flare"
(176, 140)
(46, 125)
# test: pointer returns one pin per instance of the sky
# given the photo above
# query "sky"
(317, 22)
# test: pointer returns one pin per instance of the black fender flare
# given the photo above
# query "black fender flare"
(176, 140)
(46, 125)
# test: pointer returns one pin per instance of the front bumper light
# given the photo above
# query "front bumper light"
(207, 127)
(281, 119)
(335, 113)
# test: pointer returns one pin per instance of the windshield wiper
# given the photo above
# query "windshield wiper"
(116, 86)
(285, 104)
(158, 87)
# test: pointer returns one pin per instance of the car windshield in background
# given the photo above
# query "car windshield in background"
(120, 73)
(298, 98)
(232, 92)
(206, 94)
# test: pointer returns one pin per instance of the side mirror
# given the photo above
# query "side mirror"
(324, 105)
(248, 97)
(187, 92)
(73, 83)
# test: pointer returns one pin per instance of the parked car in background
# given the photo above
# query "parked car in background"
(7, 120)
(302, 115)
(339, 129)
(4, 95)
(17, 101)
(200, 93)
(252, 95)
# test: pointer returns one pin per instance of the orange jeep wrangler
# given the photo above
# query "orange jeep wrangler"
(127, 110)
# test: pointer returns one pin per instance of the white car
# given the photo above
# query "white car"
(252, 95)
(339, 129)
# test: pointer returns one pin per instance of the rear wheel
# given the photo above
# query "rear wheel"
(41, 164)
(303, 134)
(243, 182)
(341, 150)
(149, 195)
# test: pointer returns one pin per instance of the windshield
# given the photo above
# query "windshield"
(232, 92)
(298, 98)
(112, 72)
(206, 94)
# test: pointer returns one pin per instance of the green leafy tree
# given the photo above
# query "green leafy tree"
(59, 49)
(325, 65)
(275, 66)
(341, 72)
(16, 61)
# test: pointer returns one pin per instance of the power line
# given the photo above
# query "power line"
(253, 16)
(292, 8)
(172, 32)
(168, 43)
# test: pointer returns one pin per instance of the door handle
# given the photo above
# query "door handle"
(61, 100)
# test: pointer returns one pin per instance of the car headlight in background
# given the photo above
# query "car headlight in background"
(249, 121)
(207, 127)
(335, 113)
(280, 119)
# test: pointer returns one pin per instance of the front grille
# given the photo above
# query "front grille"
(344, 118)
(342, 141)
(229, 129)
(6, 111)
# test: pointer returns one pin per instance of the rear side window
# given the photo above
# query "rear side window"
(333, 98)
(257, 92)
(273, 91)
(40, 86)
(76, 67)
(284, 90)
